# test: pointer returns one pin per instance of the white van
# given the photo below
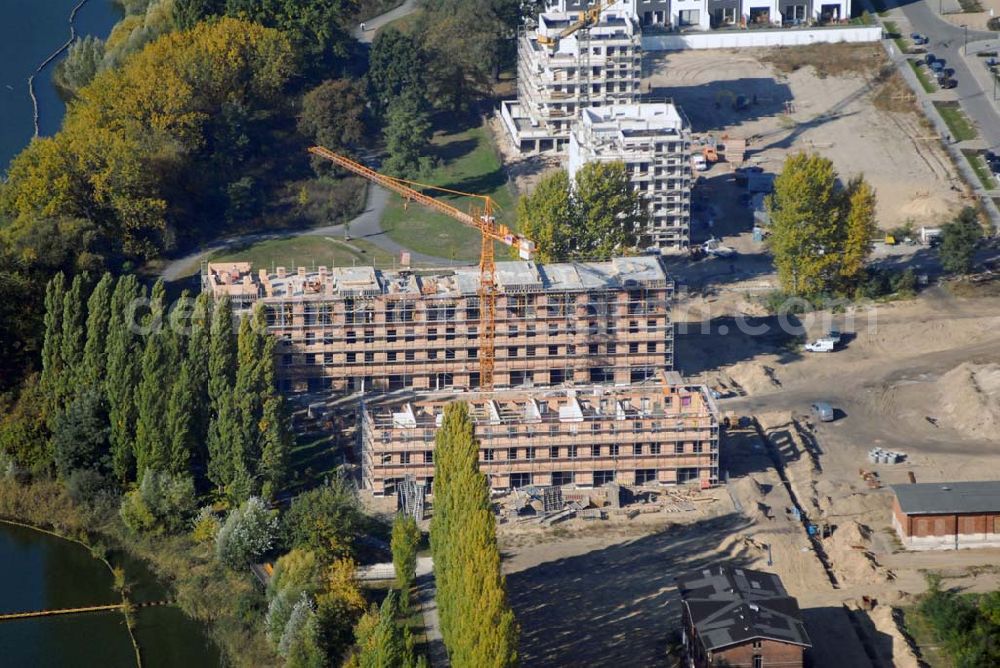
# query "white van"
(824, 345)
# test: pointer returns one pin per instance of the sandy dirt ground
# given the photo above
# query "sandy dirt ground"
(831, 114)
(601, 593)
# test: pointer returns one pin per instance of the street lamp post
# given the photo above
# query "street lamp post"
(965, 39)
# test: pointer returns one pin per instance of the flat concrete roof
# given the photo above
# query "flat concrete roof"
(945, 498)
(513, 277)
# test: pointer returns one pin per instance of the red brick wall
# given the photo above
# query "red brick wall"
(773, 652)
(902, 518)
(946, 525)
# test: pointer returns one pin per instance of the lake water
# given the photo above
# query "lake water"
(42, 572)
(30, 30)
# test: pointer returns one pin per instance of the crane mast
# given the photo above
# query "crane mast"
(480, 218)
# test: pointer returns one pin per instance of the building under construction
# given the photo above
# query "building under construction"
(352, 328)
(648, 434)
(557, 77)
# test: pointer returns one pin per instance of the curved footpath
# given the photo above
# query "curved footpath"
(367, 225)
(372, 25)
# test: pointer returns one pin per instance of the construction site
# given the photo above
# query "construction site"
(348, 329)
(632, 431)
(588, 437)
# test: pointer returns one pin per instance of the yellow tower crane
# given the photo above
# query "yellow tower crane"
(587, 19)
(481, 218)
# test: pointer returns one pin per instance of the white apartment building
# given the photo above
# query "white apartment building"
(556, 78)
(654, 142)
(709, 14)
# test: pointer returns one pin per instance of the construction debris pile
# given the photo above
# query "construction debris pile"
(550, 505)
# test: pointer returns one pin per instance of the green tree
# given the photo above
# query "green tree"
(396, 64)
(958, 241)
(860, 232)
(52, 366)
(179, 421)
(276, 448)
(382, 644)
(224, 421)
(197, 360)
(80, 435)
(72, 340)
(152, 437)
(333, 114)
(189, 13)
(79, 67)
(318, 28)
(595, 217)
(95, 349)
(246, 535)
(339, 605)
(326, 520)
(820, 234)
(610, 215)
(407, 134)
(300, 642)
(405, 542)
(24, 435)
(477, 625)
(123, 373)
(546, 217)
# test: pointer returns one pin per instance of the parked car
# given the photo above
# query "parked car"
(919, 39)
(938, 66)
(947, 83)
(929, 58)
(824, 345)
(822, 411)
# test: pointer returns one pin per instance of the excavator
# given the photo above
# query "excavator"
(480, 217)
(587, 19)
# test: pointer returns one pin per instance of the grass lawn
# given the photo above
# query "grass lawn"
(980, 168)
(313, 457)
(893, 30)
(972, 6)
(922, 76)
(308, 251)
(923, 635)
(956, 120)
(469, 163)
(404, 24)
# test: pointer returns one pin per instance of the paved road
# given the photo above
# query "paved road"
(372, 25)
(947, 41)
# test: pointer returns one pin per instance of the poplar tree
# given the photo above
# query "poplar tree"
(152, 396)
(860, 231)
(477, 624)
(405, 542)
(52, 366)
(384, 646)
(223, 418)
(197, 357)
(122, 377)
(179, 422)
(74, 336)
(95, 349)
(276, 446)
